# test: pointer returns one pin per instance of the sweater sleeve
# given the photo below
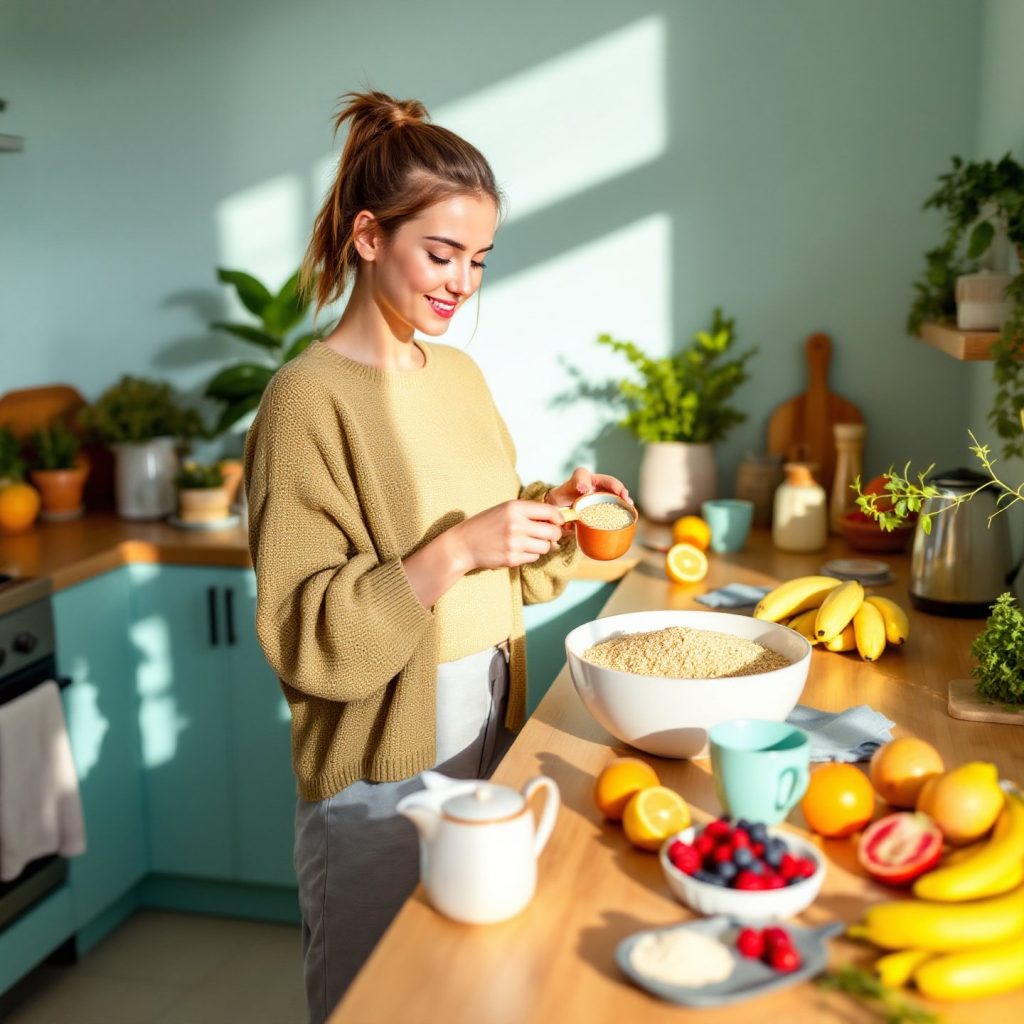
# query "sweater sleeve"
(334, 618)
(546, 578)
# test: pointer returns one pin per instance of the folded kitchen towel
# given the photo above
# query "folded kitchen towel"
(40, 809)
(850, 735)
(733, 595)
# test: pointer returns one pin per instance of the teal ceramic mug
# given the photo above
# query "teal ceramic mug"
(729, 519)
(761, 769)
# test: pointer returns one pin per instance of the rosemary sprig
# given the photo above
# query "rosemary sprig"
(863, 985)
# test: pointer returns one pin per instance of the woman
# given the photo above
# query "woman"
(393, 542)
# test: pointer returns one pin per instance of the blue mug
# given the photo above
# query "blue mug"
(729, 519)
(761, 769)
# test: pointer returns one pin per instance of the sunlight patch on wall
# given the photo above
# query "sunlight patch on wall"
(571, 122)
(262, 231)
(534, 323)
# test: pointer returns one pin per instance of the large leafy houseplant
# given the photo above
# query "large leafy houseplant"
(239, 387)
(978, 199)
(685, 396)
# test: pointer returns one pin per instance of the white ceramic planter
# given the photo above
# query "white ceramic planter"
(144, 478)
(676, 478)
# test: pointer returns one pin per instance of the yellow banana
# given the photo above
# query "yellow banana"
(804, 624)
(845, 641)
(897, 625)
(991, 868)
(894, 970)
(838, 609)
(869, 631)
(943, 927)
(794, 596)
(973, 974)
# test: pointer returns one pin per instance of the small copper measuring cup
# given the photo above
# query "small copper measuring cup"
(595, 542)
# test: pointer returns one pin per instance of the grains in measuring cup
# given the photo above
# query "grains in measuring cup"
(606, 515)
(683, 653)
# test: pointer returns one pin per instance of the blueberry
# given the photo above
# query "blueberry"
(759, 832)
(727, 870)
(703, 876)
(773, 855)
(756, 866)
(743, 824)
(795, 880)
(743, 857)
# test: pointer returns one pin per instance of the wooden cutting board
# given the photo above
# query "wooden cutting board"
(965, 703)
(800, 430)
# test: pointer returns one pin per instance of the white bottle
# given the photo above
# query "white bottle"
(800, 513)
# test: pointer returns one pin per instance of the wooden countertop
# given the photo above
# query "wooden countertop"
(72, 552)
(554, 962)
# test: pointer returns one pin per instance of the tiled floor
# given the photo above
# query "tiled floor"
(167, 968)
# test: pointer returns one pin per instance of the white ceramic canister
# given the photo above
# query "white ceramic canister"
(144, 478)
(800, 514)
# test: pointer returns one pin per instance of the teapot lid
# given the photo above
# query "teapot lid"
(958, 479)
(486, 803)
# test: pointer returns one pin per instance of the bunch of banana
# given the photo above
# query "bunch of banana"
(989, 868)
(838, 615)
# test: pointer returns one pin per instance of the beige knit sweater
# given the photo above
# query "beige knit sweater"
(349, 469)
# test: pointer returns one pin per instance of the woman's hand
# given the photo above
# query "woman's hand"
(509, 534)
(583, 481)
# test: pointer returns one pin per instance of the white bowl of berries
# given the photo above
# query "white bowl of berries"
(748, 871)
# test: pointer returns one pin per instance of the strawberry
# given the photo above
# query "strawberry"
(784, 959)
(748, 880)
(750, 942)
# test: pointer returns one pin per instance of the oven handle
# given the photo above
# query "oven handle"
(211, 607)
(229, 614)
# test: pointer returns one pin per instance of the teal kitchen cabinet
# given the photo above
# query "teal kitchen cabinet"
(101, 707)
(215, 729)
(184, 692)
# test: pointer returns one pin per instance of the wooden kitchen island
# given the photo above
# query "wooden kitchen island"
(555, 962)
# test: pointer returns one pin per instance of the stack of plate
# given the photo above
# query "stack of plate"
(867, 571)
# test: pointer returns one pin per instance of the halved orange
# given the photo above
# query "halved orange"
(691, 530)
(653, 815)
(685, 563)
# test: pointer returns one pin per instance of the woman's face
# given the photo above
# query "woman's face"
(434, 263)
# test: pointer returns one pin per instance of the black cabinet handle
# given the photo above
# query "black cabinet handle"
(229, 608)
(211, 608)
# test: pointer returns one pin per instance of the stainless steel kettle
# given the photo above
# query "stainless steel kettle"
(965, 563)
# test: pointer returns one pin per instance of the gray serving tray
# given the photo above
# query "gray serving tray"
(749, 977)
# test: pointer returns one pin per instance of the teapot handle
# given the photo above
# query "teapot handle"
(551, 805)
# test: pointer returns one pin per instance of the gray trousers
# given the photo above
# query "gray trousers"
(357, 861)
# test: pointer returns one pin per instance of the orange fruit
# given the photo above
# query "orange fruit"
(900, 769)
(685, 563)
(652, 815)
(19, 506)
(619, 780)
(964, 802)
(691, 530)
(839, 800)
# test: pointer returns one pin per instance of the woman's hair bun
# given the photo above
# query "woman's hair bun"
(373, 113)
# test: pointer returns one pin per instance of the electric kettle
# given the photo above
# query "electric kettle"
(965, 563)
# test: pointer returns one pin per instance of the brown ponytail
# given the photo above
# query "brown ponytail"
(395, 164)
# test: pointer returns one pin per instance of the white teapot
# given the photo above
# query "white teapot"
(478, 845)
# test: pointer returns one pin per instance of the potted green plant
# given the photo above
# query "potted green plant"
(999, 654)
(143, 422)
(239, 387)
(202, 496)
(59, 471)
(678, 409)
(19, 501)
(982, 201)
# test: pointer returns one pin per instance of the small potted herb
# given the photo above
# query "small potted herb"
(998, 652)
(59, 472)
(678, 409)
(202, 496)
(19, 501)
(143, 421)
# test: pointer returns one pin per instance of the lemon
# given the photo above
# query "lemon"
(652, 815)
(685, 563)
(619, 781)
(691, 530)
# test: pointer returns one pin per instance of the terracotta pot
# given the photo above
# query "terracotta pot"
(61, 491)
(232, 472)
(202, 504)
(676, 478)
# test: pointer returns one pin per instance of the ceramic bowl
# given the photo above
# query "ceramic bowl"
(743, 904)
(604, 545)
(867, 535)
(671, 717)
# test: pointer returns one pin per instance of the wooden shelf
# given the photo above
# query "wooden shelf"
(966, 345)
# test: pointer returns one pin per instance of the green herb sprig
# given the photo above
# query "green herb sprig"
(863, 985)
(999, 653)
(199, 476)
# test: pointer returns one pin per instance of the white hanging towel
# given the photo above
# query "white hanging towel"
(40, 809)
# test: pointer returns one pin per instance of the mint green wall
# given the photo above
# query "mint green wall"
(660, 157)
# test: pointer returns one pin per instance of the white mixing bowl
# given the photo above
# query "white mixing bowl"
(671, 717)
